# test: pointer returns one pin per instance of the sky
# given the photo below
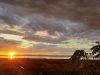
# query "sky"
(53, 27)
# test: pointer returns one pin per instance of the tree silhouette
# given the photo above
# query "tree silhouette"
(96, 56)
(96, 50)
(78, 54)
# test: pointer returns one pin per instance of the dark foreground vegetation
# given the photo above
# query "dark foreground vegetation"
(49, 67)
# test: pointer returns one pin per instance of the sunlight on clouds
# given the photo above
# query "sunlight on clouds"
(11, 37)
(3, 26)
(27, 44)
(17, 28)
(45, 34)
(23, 44)
(42, 33)
(76, 43)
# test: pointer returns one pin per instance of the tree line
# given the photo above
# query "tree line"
(95, 52)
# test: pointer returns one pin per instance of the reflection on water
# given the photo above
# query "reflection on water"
(44, 56)
(38, 57)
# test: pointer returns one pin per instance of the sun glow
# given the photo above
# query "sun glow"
(11, 55)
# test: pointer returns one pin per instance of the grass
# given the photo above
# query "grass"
(49, 67)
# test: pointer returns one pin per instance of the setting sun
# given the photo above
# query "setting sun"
(11, 55)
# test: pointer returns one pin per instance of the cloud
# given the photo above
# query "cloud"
(31, 24)
(52, 24)
(86, 11)
(8, 44)
(75, 43)
(49, 23)
(51, 29)
(10, 32)
(17, 38)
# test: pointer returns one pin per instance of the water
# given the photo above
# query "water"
(44, 56)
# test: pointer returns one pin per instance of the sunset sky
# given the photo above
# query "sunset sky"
(55, 27)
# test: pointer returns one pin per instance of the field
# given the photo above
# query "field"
(49, 67)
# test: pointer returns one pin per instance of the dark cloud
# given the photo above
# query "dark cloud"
(45, 39)
(86, 10)
(34, 22)
(11, 15)
(51, 24)
(69, 18)
(10, 32)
